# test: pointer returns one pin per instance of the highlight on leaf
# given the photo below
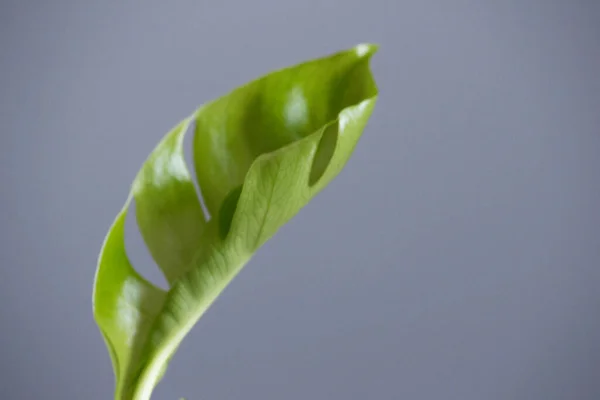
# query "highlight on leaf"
(260, 154)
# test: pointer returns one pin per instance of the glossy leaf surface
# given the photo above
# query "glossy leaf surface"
(260, 153)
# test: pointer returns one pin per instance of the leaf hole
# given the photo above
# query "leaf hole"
(138, 254)
(188, 155)
(324, 153)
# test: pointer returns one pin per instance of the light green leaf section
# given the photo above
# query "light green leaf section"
(261, 153)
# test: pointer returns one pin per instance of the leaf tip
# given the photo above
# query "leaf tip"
(366, 50)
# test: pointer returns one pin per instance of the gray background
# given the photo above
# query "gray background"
(455, 258)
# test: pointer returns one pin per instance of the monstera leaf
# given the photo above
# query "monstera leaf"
(261, 153)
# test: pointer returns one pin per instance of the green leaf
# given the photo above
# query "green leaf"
(261, 153)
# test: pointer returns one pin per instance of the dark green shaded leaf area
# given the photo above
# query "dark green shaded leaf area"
(260, 154)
